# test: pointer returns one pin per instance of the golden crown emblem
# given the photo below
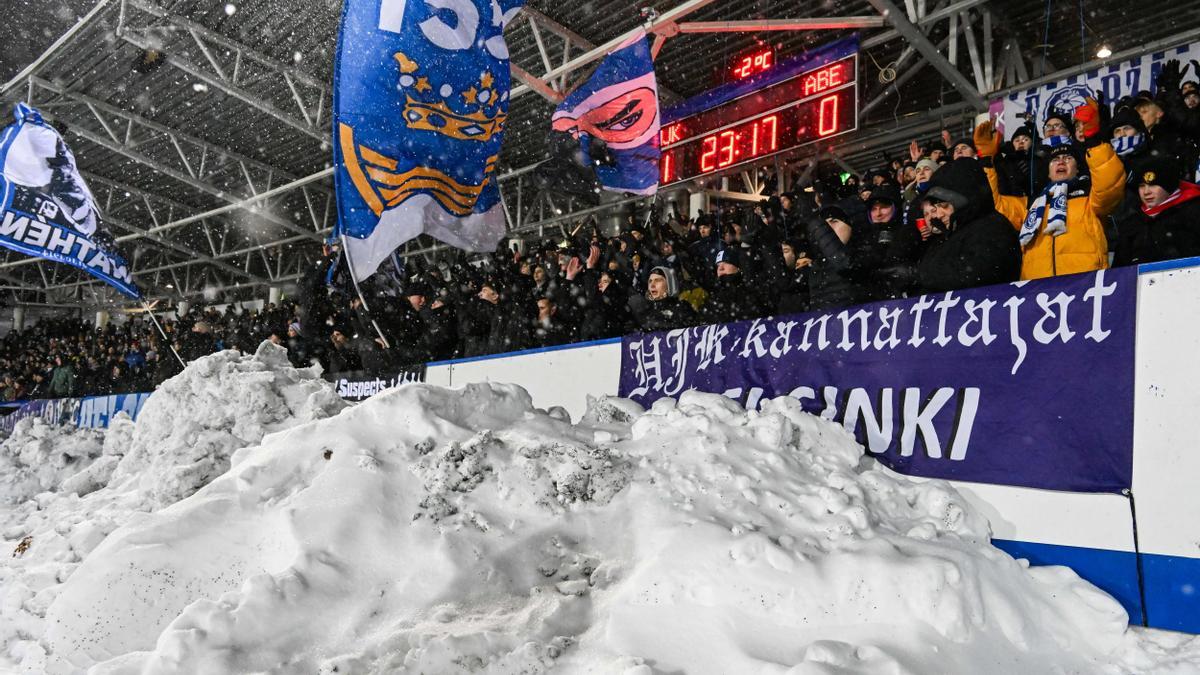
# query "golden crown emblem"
(1149, 177)
(439, 118)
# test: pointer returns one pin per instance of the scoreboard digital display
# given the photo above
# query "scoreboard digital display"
(807, 107)
(756, 62)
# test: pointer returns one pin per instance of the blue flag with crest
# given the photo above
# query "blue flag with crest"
(420, 97)
(46, 208)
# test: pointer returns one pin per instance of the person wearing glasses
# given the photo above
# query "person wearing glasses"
(1061, 230)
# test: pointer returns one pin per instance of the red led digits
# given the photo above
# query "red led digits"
(672, 133)
(709, 156)
(827, 122)
(772, 136)
(728, 149)
(791, 111)
(667, 168)
(825, 78)
(753, 64)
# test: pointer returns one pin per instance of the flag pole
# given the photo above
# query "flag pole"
(354, 280)
(150, 310)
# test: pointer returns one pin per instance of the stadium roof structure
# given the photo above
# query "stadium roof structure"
(204, 127)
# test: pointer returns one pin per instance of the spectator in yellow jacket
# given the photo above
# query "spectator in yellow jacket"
(1062, 229)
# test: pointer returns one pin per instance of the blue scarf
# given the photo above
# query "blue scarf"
(1127, 144)
(1054, 199)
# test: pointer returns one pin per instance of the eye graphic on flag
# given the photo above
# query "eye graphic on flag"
(617, 106)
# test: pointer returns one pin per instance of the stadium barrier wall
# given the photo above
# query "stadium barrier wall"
(1094, 534)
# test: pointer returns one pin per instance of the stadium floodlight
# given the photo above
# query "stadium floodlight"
(1104, 52)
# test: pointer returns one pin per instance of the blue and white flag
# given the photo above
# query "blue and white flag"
(46, 208)
(420, 98)
(618, 105)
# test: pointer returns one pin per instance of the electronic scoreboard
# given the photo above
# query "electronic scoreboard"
(785, 105)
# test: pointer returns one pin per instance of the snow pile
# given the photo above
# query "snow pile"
(429, 530)
(64, 490)
(189, 428)
(38, 458)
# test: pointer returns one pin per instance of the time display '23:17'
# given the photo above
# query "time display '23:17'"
(790, 127)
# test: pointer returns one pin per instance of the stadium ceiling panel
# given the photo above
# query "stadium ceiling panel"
(204, 127)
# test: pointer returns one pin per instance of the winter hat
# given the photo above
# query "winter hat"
(958, 183)
(933, 166)
(836, 212)
(884, 194)
(1063, 116)
(729, 256)
(1126, 116)
(1164, 172)
(668, 274)
(962, 141)
(1025, 130)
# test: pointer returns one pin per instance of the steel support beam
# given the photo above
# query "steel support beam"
(231, 76)
(927, 49)
(664, 21)
(831, 23)
(53, 49)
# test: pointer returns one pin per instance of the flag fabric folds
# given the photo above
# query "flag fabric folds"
(617, 110)
(420, 97)
(46, 208)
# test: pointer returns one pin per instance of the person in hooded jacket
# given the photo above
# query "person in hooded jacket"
(1167, 226)
(885, 265)
(1062, 230)
(703, 250)
(973, 244)
(790, 286)
(832, 242)
(731, 298)
(661, 309)
(1020, 164)
(607, 309)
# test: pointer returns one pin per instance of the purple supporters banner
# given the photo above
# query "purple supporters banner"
(1027, 384)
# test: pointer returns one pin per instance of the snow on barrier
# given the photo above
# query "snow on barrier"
(1057, 407)
(1070, 404)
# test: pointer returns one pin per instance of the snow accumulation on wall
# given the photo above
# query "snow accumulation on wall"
(248, 523)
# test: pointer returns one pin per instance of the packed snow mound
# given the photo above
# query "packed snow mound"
(63, 490)
(187, 431)
(38, 457)
(431, 530)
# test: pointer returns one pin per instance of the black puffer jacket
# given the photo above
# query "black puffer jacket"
(981, 246)
(1172, 233)
(829, 279)
(666, 314)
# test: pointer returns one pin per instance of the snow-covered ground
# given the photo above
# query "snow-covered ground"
(248, 523)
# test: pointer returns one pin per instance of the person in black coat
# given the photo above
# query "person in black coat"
(830, 237)
(789, 287)
(607, 310)
(661, 309)
(1168, 224)
(197, 343)
(343, 358)
(885, 259)
(972, 245)
(731, 298)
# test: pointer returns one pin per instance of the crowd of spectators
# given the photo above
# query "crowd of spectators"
(1104, 184)
(65, 357)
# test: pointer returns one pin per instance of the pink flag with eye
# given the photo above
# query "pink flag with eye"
(615, 118)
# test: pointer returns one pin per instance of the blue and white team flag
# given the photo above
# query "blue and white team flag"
(420, 98)
(46, 208)
(618, 105)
